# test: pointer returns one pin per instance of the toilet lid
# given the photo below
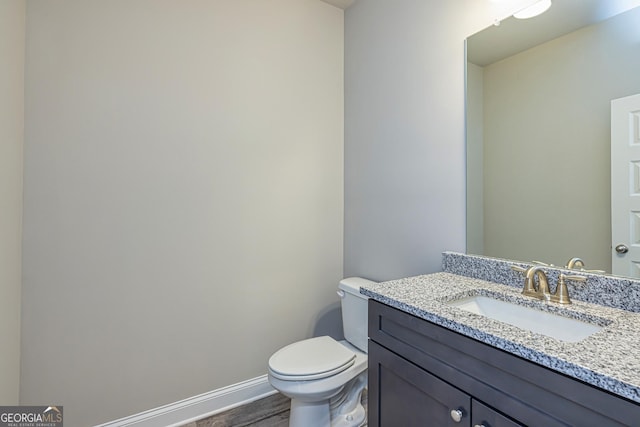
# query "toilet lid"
(311, 359)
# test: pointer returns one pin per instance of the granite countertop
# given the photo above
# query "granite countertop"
(608, 359)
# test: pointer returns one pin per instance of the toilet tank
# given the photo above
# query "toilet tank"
(354, 311)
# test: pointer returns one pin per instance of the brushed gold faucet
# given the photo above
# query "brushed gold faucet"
(575, 262)
(541, 289)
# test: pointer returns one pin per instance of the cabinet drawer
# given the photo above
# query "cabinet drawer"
(483, 416)
(401, 394)
(525, 391)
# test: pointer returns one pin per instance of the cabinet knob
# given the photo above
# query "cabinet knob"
(456, 415)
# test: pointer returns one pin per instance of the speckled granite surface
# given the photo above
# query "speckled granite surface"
(608, 359)
(610, 291)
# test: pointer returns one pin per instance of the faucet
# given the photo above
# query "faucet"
(542, 291)
(578, 264)
(575, 262)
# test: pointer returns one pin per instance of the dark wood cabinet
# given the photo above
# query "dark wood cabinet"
(484, 416)
(408, 395)
(421, 374)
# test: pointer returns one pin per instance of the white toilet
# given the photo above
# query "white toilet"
(323, 377)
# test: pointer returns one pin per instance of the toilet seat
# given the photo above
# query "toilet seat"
(311, 359)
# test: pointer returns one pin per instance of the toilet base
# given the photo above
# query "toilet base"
(356, 418)
(306, 414)
(347, 409)
(343, 410)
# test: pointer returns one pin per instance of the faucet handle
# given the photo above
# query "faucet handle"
(574, 277)
(561, 294)
(593, 271)
(519, 269)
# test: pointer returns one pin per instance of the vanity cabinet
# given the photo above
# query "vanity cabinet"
(410, 396)
(421, 374)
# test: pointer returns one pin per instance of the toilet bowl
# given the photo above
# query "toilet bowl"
(324, 377)
(314, 395)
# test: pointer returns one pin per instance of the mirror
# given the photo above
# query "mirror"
(538, 130)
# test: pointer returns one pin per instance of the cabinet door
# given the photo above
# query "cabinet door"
(402, 394)
(483, 416)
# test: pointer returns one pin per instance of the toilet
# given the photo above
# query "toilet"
(323, 377)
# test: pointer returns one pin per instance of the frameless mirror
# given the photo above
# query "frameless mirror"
(538, 130)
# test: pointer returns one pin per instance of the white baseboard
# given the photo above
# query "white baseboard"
(201, 406)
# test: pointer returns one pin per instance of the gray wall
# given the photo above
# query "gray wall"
(183, 195)
(404, 132)
(183, 182)
(547, 144)
(12, 33)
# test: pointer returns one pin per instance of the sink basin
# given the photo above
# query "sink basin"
(538, 321)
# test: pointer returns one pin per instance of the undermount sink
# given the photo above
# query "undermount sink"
(527, 318)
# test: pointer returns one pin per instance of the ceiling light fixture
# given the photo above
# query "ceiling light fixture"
(533, 10)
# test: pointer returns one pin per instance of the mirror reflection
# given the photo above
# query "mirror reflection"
(539, 93)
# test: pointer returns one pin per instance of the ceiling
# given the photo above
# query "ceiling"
(563, 17)
(342, 4)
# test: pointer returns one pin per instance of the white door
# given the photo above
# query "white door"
(625, 186)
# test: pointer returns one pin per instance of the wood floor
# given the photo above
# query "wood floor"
(272, 411)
